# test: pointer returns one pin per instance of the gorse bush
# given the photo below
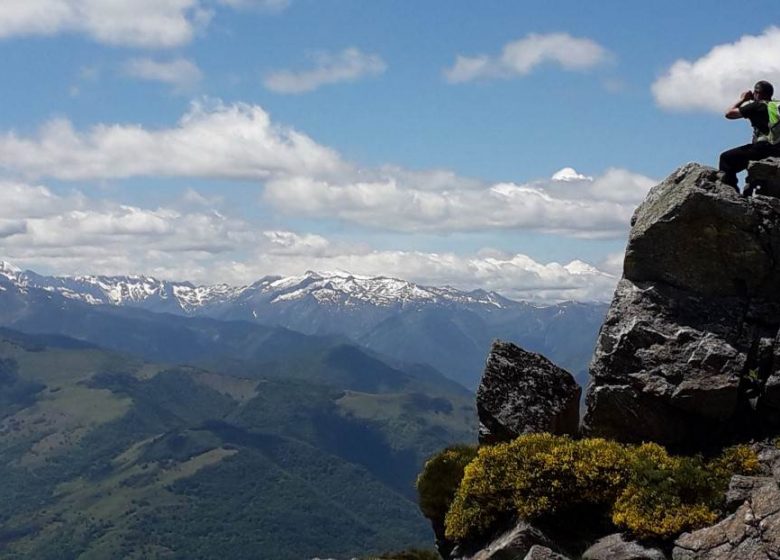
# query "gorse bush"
(533, 476)
(665, 495)
(646, 490)
(668, 495)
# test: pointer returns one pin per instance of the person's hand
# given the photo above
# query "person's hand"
(746, 96)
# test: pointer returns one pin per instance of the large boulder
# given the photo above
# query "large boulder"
(688, 355)
(763, 176)
(522, 392)
(515, 543)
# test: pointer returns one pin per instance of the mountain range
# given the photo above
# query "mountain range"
(447, 329)
(288, 418)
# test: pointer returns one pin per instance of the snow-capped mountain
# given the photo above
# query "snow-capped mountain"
(326, 288)
(446, 328)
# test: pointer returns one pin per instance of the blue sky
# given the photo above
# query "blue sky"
(222, 140)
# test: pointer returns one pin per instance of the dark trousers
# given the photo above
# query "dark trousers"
(735, 160)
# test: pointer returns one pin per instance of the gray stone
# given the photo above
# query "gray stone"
(750, 533)
(741, 488)
(689, 353)
(617, 547)
(543, 553)
(513, 544)
(523, 392)
(764, 176)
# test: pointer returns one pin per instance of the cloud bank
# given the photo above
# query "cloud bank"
(75, 235)
(300, 177)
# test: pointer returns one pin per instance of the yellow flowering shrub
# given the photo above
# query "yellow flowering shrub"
(648, 491)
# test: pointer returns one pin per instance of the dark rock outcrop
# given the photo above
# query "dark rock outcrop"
(523, 392)
(618, 547)
(763, 176)
(688, 355)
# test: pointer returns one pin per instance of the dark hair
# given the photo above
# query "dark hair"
(764, 89)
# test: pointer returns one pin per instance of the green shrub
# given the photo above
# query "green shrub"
(647, 491)
(439, 480)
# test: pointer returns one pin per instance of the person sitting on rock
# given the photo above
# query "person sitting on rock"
(758, 107)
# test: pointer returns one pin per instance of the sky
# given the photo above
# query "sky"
(500, 145)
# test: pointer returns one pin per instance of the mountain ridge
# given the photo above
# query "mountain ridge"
(322, 285)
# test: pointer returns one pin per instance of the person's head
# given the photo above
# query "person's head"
(763, 90)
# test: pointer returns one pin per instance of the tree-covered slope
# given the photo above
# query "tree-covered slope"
(104, 455)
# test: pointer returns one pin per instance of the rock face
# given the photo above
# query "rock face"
(523, 392)
(543, 553)
(617, 547)
(752, 532)
(689, 354)
(763, 176)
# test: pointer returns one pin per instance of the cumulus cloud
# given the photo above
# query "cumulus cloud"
(519, 58)
(180, 73)
(305, 179)
(578, 206)
(137, 23)
(329, 68)
(715, 80)
(71, 223)
(212, 140)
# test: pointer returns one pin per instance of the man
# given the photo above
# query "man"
(752, 105)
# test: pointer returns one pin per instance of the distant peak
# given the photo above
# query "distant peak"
(5, 266)
(568, 174)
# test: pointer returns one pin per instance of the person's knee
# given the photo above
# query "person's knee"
(725, 162)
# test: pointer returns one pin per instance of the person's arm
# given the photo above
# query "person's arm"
(733, 112)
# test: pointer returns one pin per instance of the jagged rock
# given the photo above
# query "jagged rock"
(742, 487)
(616, 547)
(750, 533)
(514, 543)
(523, 392)
(543, 553)
(764, 177)
(688, 354)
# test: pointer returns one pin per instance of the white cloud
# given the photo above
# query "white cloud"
(520, 57)
(345, 66)
(267, 5)
(180, 73)
(134, 23)
(137, 23)
(305, 179)
(714, 81)
(579, 206)
(74, 234)
(219, 141)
